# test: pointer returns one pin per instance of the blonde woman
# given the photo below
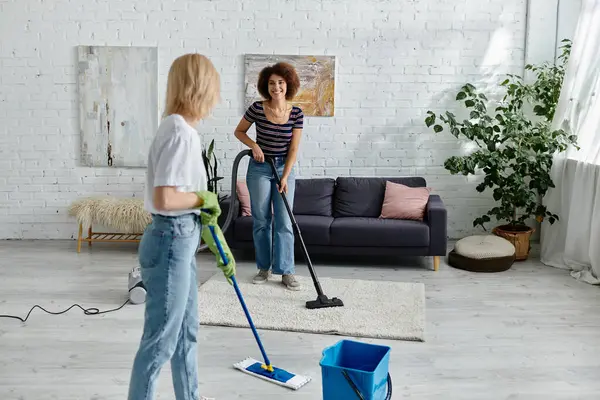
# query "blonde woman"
(176, 185)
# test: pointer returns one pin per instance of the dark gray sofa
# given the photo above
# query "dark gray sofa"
(340, 216)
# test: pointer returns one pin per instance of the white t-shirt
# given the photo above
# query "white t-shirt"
(175, 159)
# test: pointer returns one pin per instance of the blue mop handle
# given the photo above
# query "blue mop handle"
(239, 294)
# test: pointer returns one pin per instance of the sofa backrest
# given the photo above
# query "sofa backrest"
(314, 196)
(345, 196)
(363, 196)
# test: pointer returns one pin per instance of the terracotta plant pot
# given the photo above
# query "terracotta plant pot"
(519, 236)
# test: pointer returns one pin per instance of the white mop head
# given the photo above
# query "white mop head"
(280, 377)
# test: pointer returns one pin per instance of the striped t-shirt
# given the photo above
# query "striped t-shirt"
(273, 139)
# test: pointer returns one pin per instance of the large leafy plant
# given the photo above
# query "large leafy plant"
(515, 145)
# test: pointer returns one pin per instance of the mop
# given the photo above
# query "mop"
(266, 370)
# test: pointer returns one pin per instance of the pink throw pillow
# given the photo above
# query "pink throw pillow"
(404, 202)
(244, 197)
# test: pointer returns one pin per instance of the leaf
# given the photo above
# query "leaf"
(215, 174)
(430, 120)
(461, 96)
(539, 110)
(497, 194)
(438, 128)
(205, 161)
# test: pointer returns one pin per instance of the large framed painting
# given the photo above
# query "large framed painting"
(118, 104)
(316, 96)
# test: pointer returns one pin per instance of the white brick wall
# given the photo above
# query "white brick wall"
(396, 60)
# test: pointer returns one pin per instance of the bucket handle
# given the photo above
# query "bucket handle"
(359, 394)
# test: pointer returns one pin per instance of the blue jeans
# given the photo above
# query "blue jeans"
(273, 245)
(167, 256)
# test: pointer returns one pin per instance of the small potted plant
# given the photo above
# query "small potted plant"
(515, 149)
(211, 164)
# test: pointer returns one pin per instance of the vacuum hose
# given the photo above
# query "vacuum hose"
(137, 290)
(232, 206)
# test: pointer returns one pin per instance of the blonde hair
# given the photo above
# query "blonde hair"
(193, 86)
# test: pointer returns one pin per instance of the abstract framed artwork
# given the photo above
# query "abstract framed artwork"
(316, 95)
(118, 104)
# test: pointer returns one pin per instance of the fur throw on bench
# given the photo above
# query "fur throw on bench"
(124, 215)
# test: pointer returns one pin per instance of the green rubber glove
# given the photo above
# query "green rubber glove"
(229, 268)
(211, 204)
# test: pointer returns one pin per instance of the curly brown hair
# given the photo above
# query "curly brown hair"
(287, 72)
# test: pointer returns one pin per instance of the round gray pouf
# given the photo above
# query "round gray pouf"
(482, 253)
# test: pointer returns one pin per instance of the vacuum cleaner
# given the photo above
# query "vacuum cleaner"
(322, 301)
(137, 291)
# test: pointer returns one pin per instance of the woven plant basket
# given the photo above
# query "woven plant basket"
(519, 236)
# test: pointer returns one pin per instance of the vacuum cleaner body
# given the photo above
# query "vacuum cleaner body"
(137, 290)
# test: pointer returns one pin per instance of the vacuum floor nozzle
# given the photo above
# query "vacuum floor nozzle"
(324, 302)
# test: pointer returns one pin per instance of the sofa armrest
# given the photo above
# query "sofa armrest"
(437, 218)
(224, 204)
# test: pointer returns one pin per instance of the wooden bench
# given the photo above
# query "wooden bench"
(125, 219)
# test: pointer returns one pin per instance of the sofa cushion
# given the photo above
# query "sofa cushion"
(363, 196)
(314, 229)
(243, 196)
(404, 202)
(314, 197)
(242, 229)
(377, 232)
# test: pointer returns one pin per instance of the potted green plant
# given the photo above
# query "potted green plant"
(515, 148)
(211, 165)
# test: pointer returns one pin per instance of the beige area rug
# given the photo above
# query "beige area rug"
(372, 309)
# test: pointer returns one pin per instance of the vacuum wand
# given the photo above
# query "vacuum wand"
(322, 300)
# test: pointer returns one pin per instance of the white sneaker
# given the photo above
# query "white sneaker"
(291, 282)
(261, 277)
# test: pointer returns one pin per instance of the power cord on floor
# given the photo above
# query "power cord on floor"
(86, 311)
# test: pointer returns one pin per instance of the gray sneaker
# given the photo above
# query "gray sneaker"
(291, 282)
(262, 276)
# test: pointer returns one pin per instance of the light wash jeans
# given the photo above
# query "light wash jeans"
(167, 256)
(273, 245)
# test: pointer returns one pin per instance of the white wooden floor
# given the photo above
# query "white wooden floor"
(529, 333)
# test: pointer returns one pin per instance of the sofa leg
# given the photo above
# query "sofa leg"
(436, 263)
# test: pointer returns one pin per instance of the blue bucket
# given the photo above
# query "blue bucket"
(349, 367)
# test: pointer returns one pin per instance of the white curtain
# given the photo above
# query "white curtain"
(573, 243)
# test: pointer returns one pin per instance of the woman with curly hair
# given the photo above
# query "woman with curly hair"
(278, 132)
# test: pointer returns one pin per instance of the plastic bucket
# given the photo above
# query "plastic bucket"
(350, 366)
